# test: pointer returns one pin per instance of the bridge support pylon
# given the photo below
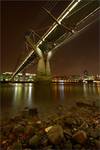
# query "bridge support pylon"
(43, 68)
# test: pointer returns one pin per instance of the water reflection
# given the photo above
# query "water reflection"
(91, 90)
(61, 90)
(15, 97)
(23, 93)
(98, 88)
(30, 95)
(17, 93)
(85, 90)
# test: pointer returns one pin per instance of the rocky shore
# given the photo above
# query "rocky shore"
(77, 129)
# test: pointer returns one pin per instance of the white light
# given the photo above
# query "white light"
(69, 10)
(7, 73)
(64, 16)
(49, 54)
(40, 42)
(61, 81)
(46, 35)
(39, 52)
(20, 74)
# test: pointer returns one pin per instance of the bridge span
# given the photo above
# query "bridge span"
(77, 16)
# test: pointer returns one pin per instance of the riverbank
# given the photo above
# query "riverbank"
(77, 129)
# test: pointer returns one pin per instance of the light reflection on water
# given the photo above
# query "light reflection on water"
(30, 95)
(61, 90)
(15, 97)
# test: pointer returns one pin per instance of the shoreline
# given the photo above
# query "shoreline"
(77, 129)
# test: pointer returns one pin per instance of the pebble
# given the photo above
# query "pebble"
(65, 133)
(80, 136)
(35, 140)
(97, 144)
(69, 145)
(55, 134)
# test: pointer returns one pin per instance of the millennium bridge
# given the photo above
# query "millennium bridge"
(76, 17)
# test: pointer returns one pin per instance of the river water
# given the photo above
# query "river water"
(46, 97)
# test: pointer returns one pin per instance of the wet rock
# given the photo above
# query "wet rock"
(29, 130)
(55, 134)
(48, 128)
(83, 148)
(59, 110)
(33, 112)
(95, 133)
(49, 147)
(97, 144)
(23, 122)
(77, 147)
(27, 149)
(44, 140)
(67, 133)
(18, 128)
(12, 137)
(25, 113)
(83, 104)
(68, 145)
(39, 122)
(80, 137)
(17, 118)
(35, 140)
(17, 146)
(79, 120)
(83, 126)
(69, 121)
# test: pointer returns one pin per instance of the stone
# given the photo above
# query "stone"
(55, 134)
(67, 133)
(77, 146)
(18, 129)
(68, 145)
(80, 136)
(48, 128)
(29, 130)
(44, 140)
(33, 112)
(83, 148)
(17, 146)
(48, 148)
(97, 144)
(69, 121)
(95, 133)
(35, 140)
(27, 149)
(25, 113)
(84, 126)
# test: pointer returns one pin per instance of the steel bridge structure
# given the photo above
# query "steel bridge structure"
(77, 16)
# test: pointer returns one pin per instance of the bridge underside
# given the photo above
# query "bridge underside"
(74, 22)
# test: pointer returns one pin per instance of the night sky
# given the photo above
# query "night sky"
(17, 18)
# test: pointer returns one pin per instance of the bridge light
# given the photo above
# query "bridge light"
(45, 36)
(73, 6)
(73, 31)
(39, 51)
(49, 54)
